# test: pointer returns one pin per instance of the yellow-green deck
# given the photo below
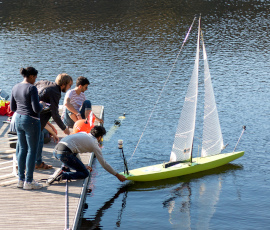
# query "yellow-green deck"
(159, 172)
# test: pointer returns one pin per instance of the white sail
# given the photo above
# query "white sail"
(212, 143)
(183, 141)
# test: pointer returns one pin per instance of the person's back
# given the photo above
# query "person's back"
(46, 89)
(80, 142)
(50, 92)
(68, 149)
(25, 102)
(26, 98)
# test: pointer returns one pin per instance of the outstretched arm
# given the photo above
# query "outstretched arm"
(120, 177)
(106, 166)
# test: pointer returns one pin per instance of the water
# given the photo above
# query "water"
(126, 49)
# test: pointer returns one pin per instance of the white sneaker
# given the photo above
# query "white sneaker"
(57, 176)
(20, 184)
(32, 185)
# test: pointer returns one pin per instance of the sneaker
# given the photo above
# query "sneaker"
(57, 176)
(32, 185)
(20, 184)
(65, 169)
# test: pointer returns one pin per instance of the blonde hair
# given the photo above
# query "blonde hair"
(63, 79)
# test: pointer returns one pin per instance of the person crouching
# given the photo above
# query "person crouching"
(67, 151)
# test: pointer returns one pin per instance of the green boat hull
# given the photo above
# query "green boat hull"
(159, 172)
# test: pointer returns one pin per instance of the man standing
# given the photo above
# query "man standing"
(76, 107)
(50, 92)
(67, 151)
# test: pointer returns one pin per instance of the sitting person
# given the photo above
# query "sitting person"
(75, 106)
(67, 151)
(49, 133)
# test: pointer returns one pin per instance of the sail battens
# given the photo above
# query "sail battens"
(207, 77)
(183, 134)
(216, 144)
(183, 140)
(191, 98)
(182, 150)
(212, 137)
(210, 112)
(212, 140)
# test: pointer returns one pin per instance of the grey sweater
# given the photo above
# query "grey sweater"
(84, 143)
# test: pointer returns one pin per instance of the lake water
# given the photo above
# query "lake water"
(126, 49)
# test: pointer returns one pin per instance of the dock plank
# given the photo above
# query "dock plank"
(44, 208)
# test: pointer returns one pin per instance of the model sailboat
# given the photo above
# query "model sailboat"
(181, 160)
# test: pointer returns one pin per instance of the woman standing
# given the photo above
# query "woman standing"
(25, 101)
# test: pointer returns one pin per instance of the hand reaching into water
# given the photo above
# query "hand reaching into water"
(121, 177)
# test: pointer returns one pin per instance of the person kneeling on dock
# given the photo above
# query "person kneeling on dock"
(67, 151)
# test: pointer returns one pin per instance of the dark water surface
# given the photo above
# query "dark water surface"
(126, 49)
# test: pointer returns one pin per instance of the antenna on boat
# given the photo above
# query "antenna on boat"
(244, 128)
(120, 146)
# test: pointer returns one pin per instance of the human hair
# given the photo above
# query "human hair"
(82, 81)
(63, 79)
(98, 131)
(26, 72)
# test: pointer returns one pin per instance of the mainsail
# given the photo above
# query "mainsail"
(183, 141)
(181, 159)
(212, 143)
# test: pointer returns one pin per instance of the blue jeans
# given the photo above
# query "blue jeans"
(28, 131)
(68, 121)
(40, 147)
(73, 162)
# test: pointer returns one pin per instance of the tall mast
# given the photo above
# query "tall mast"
(183, 140)
(198, 50)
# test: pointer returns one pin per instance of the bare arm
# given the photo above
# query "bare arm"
(53, 128)
(120, 177)
(69, 106)
(76, 114)
(89, 111)
(51, 131)
(106, 166)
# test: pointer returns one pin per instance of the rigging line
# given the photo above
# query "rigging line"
(186, 37)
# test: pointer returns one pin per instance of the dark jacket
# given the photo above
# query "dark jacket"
(50, 92)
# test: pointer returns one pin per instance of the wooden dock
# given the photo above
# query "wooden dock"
(46, 208)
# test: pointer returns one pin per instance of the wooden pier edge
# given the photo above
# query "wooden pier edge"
(79, 213)
(44, 208)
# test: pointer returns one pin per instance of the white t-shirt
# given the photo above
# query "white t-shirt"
(75, 99)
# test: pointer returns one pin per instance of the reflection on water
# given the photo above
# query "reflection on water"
(95, 223)
(126, 48)
(179, 211)
(188, 192)
(205, 195)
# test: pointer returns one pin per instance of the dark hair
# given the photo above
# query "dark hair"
(82, 81)
(98, 131)
(26, 72)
